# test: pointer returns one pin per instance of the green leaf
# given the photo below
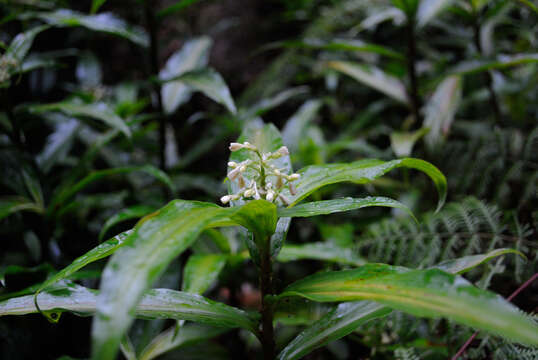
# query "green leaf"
(201, 271)
(187, 335)
(402, 142)
(296, 126)
(325, 207)
(428, 293)
(96, 4)
(70, 190)
(441, 108)
(209, 82)
(99, 111)
(193, 55)
(178, 6)
(103, 22)
(373, 77)
(260, 217)
(360, 172)
(320, 251)
(501, 62)
(155, 304)
(347, 317)
(340, 322)
(101, 251)
(58, 144)
(129, 213)
(13, 204)
(429, 9)
(21, 44)
(464, 264)
(266, 138)
(156, 240)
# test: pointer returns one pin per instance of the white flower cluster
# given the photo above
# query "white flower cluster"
(260, 187)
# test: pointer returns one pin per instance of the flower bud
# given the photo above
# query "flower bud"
(276, 172)
(232, 164)
(236, 146)
(293, 177)
(249, 193)
(225, 199)
(234, 173)
(283, 151)
(270, 195)
(293, 190)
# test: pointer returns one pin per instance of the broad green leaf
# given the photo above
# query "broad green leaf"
(428, 293)
(133, 212)
(373, 77)
(58, 144)
(156, 240)
(320, 251)
(169, 339)
(347, 317)
(260, 217)
(155, 304)
(441, 108)
(296, 126)
(325, 207)
(68, 191)
(21, 44)
(501, 62)
(193, 55)
(464, 264)
(13, 204)
(209, 82)
(402, 142)
(201, 271)
(99, 111)
(530, 5)
(429, 9)
(103, 22)
(266, 138)
(178, 6)
(360, 172)
(101, 251)
(340, 322)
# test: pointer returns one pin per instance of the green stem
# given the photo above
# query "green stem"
(266, 286)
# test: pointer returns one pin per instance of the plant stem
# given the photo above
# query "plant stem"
(411, 69)
(151, 23)
(266, 285)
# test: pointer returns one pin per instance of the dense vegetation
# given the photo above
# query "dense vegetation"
(379, 158)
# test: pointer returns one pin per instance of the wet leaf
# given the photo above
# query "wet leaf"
(464, 264)
(129, 213)
(428, 293)
(320, 251)
(201, 271)
(13, 204)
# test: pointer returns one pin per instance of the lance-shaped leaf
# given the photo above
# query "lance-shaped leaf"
(297, 125)
(441, 109)
(201, 271)
(170, 339)
(209, 82)
(13, 204)
(67, 191)
(429, 9)
(98, 111)
(501, 62)
(430, 293)
(266, 138)
(21, 44)
(193, 55)
(373, 77)
(347, 317)
(320, 251)
(129, 213)
(340, 322)
(103, 22)
(155, 304)
(58, 144)
(466, 263)
(156, 240)
(325, 207)
(360, 172)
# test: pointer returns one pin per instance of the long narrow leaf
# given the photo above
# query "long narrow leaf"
(426, 293)
(129, 213)
(201, 271)
(320, 251)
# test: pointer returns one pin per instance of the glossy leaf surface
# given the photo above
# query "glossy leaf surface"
(201, 271)
(320, 251)
(129, 213)
(425, 293)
